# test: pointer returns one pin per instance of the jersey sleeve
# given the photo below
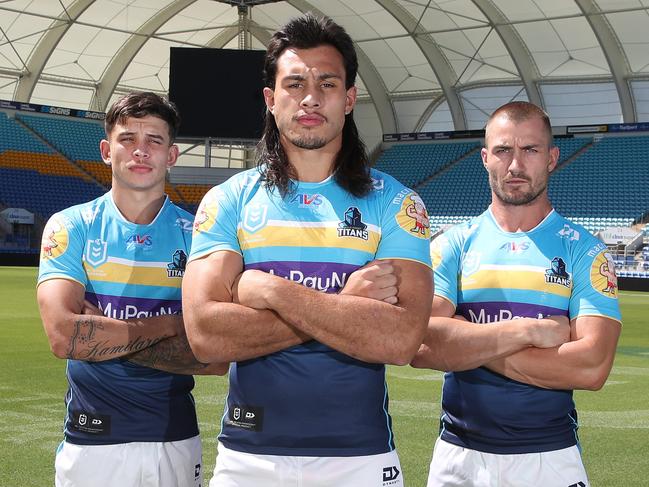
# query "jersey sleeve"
(405, 228)
(445, 254)
(595, 290)
(215, 224)
(62, 250)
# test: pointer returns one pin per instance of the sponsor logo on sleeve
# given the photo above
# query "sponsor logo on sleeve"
(412, 216)
(55, 239)
(437, 250)
(207, 212)
(602, 275)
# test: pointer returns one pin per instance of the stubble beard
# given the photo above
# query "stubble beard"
(308, 143)
(516, 199)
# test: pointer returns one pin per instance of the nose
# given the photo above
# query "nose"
(311, 99)
(140, 153)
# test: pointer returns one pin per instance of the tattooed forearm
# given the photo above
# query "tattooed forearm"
(85, 344)
(171, 355)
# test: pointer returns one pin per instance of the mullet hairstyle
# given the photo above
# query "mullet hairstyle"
(521, 111)
(351, 166)
(139, 105)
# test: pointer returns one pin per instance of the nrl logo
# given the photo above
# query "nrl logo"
(254, 217)
(96, 252)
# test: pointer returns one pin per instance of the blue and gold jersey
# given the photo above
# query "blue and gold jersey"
(310, 399)
(557, 268)
(128, 271)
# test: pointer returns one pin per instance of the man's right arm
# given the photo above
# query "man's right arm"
(453, 344)
(219, 330)
(93, 338)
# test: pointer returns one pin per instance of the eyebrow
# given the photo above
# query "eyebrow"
(127, 133)
(299, 77)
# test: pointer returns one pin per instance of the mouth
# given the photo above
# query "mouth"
(140, 169)
(310, 120)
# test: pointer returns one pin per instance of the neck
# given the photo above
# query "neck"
(139, 207)
(312, 165)
(520, 218)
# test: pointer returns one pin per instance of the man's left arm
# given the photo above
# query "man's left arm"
(582, 363)
(363, 328)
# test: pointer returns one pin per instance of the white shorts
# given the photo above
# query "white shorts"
(454, 466)
(238, 469)
(146, 464)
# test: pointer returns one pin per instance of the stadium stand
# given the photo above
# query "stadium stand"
(413, 163)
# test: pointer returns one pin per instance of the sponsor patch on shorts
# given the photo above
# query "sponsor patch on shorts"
(92, 424)
(246, 417)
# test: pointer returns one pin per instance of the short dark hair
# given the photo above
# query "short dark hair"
(139, 104)
(351, 166)
(521, 111)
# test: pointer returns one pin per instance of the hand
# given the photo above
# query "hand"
(375, 280)
(550, 332)
(248, 289)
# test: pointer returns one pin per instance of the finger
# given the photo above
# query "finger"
(391, 300)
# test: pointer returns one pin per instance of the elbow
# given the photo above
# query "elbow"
(59, 348)
(594, 379)
(405, 351)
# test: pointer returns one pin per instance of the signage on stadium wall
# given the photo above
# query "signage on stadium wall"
(457, 134)
(52, 110)
(18, 215)
(628, 127)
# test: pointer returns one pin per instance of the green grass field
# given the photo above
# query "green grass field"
(614, 421)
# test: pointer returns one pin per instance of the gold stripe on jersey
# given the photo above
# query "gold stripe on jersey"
(155, 275)
(510, 278)
(308, 236)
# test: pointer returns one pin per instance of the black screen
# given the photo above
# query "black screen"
(218, 92)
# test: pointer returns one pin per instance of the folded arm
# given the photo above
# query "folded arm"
(367, 329)
(93, 337)
(220, 330)
(454, 344)
(583, 363)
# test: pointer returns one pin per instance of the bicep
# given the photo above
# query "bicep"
(211, 278)
(59, 299)
(415, 286)
(598, 333)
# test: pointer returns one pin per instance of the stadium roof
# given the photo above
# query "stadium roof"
(424, 65)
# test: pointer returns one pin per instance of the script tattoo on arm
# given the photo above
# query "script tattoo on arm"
(171, 355)
(85, 345)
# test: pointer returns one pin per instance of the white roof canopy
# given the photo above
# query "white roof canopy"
(424, 65)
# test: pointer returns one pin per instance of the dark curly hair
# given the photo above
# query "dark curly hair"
(351, 166)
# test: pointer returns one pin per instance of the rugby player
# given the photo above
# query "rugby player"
(265, 285)
(109, 296)
(522, 315)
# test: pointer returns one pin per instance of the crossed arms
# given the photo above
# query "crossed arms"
(77, 330)
(380, 316)
(551, 353)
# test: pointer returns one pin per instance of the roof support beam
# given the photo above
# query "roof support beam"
(615, 56)
(435, 57)
(45, 47)
(114, 71)
(527, 69)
